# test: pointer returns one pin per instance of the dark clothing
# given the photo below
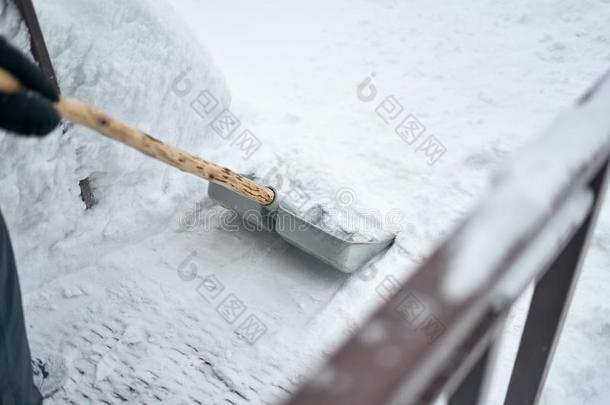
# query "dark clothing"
(27, 112)
(16, 383)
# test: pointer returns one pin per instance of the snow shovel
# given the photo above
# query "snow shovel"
(257, 204)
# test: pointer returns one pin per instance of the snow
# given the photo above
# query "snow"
(128, 291)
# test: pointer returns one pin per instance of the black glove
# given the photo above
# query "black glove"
(29, 112)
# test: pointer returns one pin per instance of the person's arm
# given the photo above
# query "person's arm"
(29, 112)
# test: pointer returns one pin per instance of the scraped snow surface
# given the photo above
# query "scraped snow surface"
(146, 295)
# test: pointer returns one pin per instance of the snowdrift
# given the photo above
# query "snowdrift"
(136, 61)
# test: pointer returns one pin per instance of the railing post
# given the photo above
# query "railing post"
(548, 309)
(473, 388)
(37, 43)
(470, 389)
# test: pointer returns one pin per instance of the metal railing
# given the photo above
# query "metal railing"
(439, 332)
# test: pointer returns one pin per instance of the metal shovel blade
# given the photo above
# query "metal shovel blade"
(344, 255)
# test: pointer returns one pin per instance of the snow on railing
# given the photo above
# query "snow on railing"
(436, 334)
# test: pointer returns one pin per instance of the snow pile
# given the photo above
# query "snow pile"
(135, 61)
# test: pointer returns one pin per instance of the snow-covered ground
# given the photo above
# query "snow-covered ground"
(124, 290)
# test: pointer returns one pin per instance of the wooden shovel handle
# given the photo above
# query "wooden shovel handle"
(89, 116)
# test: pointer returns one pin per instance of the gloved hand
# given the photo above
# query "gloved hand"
(29, 112)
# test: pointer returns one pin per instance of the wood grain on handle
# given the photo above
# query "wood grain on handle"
(89, 116)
